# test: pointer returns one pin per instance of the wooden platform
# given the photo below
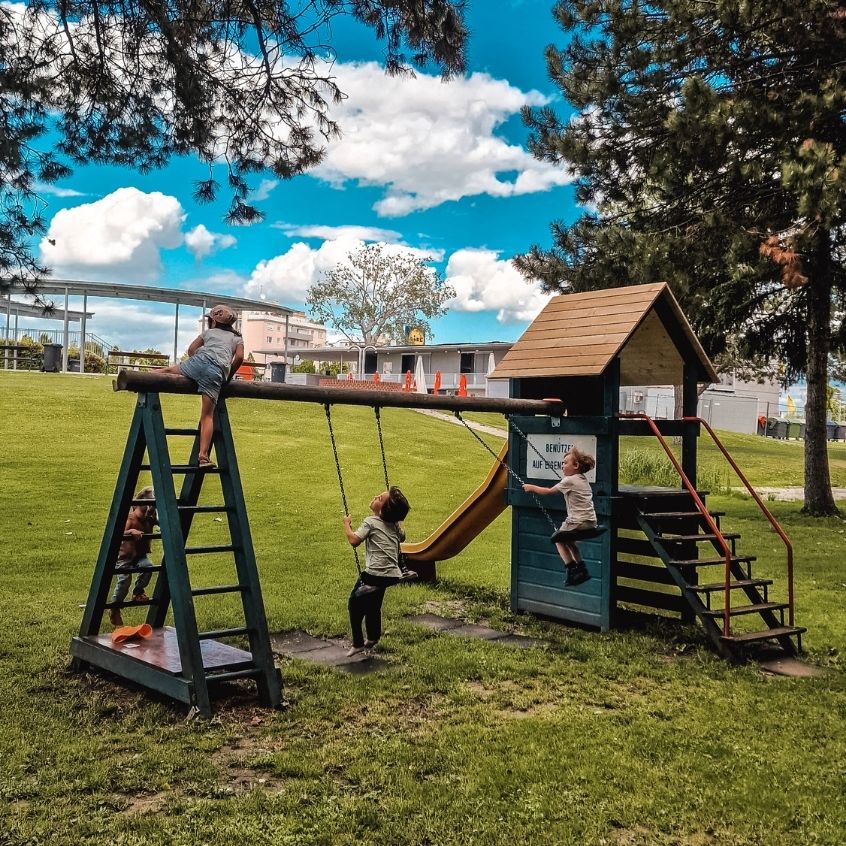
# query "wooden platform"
(154, 662)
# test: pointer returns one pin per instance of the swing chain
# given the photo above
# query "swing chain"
(377, 410)
(511, 472)
(340, 476)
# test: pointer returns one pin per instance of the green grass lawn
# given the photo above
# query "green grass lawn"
(629, 738)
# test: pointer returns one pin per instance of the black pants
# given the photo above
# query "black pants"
(365, 603)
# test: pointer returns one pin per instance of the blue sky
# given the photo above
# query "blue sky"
(439, 168)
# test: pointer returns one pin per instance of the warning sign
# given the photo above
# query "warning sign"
(545, 460)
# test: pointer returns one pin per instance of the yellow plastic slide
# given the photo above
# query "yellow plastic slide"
(481, 508)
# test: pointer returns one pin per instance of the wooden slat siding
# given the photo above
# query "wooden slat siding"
(596, 312)
(596, 353)
(570, 330)
(638, 357)
(520, 369)
(634, 294)
(562, 343)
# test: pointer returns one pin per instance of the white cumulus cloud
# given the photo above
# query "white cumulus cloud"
(484, 282)
(328, 233)
(287, 277)
(201, 242)
(118, 237)
(428, 141)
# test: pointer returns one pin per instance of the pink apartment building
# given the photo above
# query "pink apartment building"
(269, 336)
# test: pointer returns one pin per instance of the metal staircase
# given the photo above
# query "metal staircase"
(180, 661)
(689, 541)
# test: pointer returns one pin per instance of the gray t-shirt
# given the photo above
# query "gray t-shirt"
(579, 498)
(381, 546)
(220, 346)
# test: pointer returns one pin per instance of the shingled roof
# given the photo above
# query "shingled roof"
(581, 334)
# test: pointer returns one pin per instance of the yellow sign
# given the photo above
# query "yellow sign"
(416, 337)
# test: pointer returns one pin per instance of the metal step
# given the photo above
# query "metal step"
(205, 550)
(713, 587)
(747, 609)
(203, 509)
(705, 562)
(207, 591)
(696, 538)
(213, 635)
(680, 515)
(189, 432)
(768, 634)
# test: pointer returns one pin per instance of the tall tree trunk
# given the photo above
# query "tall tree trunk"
(819, 501)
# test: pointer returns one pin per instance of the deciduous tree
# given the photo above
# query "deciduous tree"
(247, 84)
(710, 151)
(376, 294)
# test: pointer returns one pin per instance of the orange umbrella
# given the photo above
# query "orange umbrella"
(377, 377)
(437, 382)
(462, 386)
(407, 387)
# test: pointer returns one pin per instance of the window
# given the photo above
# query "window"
(468, 363)
(269, 339)
(407, 364)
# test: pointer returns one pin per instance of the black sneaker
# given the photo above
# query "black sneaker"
(576, 575)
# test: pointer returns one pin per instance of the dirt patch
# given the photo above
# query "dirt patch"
(446, 607)
(150, 804)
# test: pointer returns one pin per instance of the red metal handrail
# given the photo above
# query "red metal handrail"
(773, 522)
(701, 506)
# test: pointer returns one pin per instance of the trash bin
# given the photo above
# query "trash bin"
(52, 358)
(793, 429)
(840, 432)
(802, 431)
(781, 429)
(277, 371)
(771, 427)
(73, 365)
(830, 431)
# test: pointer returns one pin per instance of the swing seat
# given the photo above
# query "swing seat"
(577, 534)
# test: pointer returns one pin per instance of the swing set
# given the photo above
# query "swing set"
(181, 660)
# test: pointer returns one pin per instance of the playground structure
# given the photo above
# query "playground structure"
(581, 348)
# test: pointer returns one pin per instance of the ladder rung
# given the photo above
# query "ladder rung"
(713, 587)
(128, 603)
(234, 674)
(704, 562)
(695, 538)
(746, 609)
(154, 569)
(152, 535)
(190, 432)
(202, 509)
(143, 501)
(204, 550)
(767, 634)
(206, 591)
(186, 468)
(223, 633)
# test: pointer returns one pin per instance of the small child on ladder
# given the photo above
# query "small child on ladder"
(213, 358)
(381, 535)
(134, 551)
(581, 514)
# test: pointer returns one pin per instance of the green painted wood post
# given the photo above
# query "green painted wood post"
(270, 693)
(184, 618)
(690, 403)
(128, 473)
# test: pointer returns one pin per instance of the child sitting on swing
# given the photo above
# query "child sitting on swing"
(580, 511)
(381, 535)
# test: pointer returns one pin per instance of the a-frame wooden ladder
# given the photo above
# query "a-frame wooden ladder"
(180, 661)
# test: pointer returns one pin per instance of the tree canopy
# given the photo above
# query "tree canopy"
(377, 294)
(709, 149)
(247, 84)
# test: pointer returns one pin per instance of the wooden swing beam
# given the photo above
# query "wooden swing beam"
(172, 383)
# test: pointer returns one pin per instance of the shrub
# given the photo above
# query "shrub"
(643, 467)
